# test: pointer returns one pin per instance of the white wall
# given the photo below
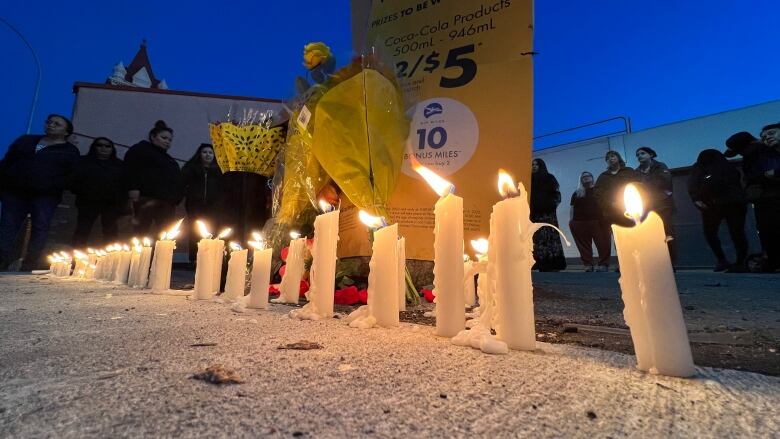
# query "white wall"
(126, 116)
(677, 144)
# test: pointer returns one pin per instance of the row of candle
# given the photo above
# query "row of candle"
(652, 312)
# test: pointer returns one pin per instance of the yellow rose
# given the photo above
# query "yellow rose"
(314, 54)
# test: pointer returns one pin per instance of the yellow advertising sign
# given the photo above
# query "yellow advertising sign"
(467, 75)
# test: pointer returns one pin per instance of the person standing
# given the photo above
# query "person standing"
(153, 181)
(715, 188)
(201, 178)
(97, 182)
(587, 225)
(657, 181)
(545, 198)
(766, 173)
(33, 175)
(609, 189)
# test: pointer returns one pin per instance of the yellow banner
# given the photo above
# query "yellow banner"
(466, 71)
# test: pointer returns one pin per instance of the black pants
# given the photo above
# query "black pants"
(88, 214)
(734, 215)
(767, 220)
(15, 208)
(588, 232)
(153, 217)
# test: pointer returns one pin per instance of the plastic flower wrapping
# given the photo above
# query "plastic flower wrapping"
(247, 143)
(347, 129)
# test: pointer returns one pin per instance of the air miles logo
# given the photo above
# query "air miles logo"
(441, 140)
(433, 109)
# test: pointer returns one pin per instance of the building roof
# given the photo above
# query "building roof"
(78, 85)
(140, 62)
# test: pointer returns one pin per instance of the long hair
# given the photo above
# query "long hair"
(93, 147)
(195, 159)
(580, 192)
(616, 154)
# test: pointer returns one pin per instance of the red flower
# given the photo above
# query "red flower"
(346, 296)
(429, 296)
(303, 288)
(272, 290)
(363, 295)
(284, 253)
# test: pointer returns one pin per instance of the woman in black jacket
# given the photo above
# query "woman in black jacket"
(545, 198)
(715, 188)
(202, 178)
(33, 174)
(153, 181)
(97, 183)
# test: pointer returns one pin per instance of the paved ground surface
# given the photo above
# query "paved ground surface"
(91, 360)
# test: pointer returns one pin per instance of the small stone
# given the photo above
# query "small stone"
(443, 395)
(591, 415)
(297, 433)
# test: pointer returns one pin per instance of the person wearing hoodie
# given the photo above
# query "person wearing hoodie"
(153, 181)
(545, 198)
(97, 182)
(609, 187)
(656, 179)
(201, 177)
(715, 188)
(33, 174)
(766, 173)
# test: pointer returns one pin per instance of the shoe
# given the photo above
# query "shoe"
(737, 268)
(603, 268)
(721, 266)
(590, 269)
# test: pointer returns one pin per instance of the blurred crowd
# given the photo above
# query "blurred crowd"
(721, 190)
(147, 185)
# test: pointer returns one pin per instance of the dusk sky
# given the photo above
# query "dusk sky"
(654, 61)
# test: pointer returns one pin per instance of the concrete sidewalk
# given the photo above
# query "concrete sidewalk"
(84, 359)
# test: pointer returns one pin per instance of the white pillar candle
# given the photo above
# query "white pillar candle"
(144, 264)
(203, 271)
(123, 265)
(289, 289)
(652, 305)
(217, 255)
(383, 277)
(401, 253)
(323, 269)
(469, 290)
(162, 262)
(261, 275)
(236, 274)
(135, 261)
(447, 255)
(510, 255)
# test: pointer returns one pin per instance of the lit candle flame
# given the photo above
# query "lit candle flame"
(257, 245)
(633, 202)
(325, 207)
(257, 236)
(225, 233)
(163, 235)
(439, 185)
(79, 255)
(125, 248)
(147, 242)
(90, 251)
(466, 257)
(173, 232)
(235, 246)
(294, 235)
(506, 184)
(135, 241)
(203, 230)
(370, 220)
(480, 245)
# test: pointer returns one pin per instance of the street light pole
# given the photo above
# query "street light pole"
(38, 67)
